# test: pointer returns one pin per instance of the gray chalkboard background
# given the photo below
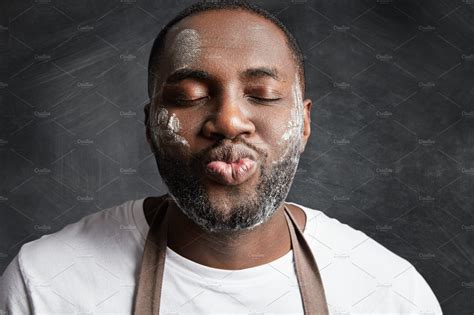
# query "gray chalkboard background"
(391, 151)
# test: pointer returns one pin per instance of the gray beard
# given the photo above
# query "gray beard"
(189, 193)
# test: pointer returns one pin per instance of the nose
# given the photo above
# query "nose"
(227, 119)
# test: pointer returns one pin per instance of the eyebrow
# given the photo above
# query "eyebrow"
(187, 73)
(251, 73)
(260, 72)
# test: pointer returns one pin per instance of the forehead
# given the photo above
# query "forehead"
(229, 40)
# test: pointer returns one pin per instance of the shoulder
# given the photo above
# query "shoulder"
(83, 233)
(95, 235)
(357, 268)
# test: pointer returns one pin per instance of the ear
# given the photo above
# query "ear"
(307, 104)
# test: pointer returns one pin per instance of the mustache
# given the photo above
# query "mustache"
(230, 152)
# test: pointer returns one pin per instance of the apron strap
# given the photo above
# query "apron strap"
(307, 272)
(150, 279)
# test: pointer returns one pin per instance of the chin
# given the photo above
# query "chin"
(225, 201)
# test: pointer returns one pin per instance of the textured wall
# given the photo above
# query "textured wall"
(391, 150)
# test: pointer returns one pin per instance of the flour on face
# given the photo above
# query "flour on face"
(254, 208)
(294, 128)
(186, 48)
(242, 210)
(165, 130)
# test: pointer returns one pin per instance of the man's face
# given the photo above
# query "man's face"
(227, 90)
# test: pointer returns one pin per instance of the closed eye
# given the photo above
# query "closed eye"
(264, 100)
(190, 101)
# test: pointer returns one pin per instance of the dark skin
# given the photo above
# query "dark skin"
(232, 108)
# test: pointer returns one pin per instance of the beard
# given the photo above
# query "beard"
(249, 210)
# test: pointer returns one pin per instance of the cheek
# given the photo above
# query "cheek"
(191, 122)
(273, 130)
(293, 126)
(166, 129)
(270, 130)
(282, 132)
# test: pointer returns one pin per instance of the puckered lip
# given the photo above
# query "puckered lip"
(229, 154)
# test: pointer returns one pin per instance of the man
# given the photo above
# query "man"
(227, 122)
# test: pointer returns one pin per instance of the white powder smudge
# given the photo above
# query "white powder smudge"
(295, 125)
(173, 123)
(186, 48)
(165, 130)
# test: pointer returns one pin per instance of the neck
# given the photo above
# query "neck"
(229, 250)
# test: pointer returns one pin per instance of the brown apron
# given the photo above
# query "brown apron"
(147, 300)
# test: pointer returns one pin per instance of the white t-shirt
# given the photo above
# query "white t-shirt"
(91, 266)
